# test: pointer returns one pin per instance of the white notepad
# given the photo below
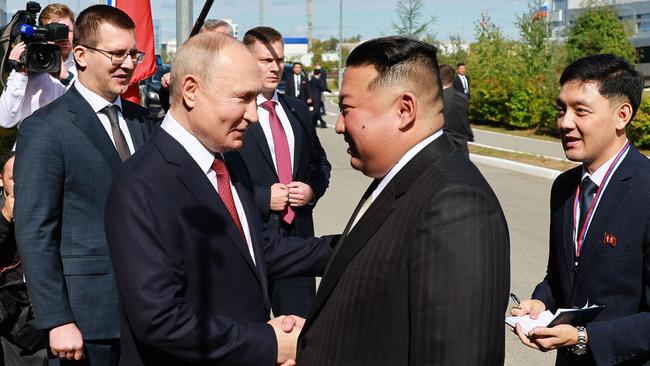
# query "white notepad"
(561, 316)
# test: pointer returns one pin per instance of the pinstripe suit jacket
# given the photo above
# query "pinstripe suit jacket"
(422, 278)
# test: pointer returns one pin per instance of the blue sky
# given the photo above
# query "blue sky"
(369, 18)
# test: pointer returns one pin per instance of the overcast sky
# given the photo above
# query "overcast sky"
(369, 18)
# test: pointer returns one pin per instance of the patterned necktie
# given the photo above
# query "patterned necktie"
(282, 155)
(587, 192)
(223, 185)
(120, 141)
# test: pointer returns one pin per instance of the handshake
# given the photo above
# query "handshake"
(287, 329)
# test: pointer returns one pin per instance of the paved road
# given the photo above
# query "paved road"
(525, 202)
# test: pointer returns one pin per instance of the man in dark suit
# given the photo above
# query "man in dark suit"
(461, 81)
(191, 262)
(297, 84)
(287, 165)
(599, 236)
(455, 110)
(67, 154)
(421, 273)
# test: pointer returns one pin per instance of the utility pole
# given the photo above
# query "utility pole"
(309, 22)
(261, 12)
(183, 21)
(340, 44)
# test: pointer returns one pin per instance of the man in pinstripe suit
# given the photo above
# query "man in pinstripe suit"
(421, 273)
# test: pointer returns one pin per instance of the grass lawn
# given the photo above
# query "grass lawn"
(523, 158)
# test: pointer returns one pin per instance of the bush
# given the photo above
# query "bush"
(638, 131)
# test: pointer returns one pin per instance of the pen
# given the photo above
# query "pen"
(515, 299)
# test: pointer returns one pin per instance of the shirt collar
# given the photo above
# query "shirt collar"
(402, 162)
(599, 174)
(201, 154)
(261, 99)
(96, 101)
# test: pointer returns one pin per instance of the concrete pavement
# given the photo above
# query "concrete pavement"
(519, 144)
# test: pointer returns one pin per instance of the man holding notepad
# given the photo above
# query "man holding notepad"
(600, 216)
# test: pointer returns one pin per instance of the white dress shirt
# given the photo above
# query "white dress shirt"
(266, 127)
(97, 103)
(597, 178)
(204, 159)
(296, 81)
(25, 94)
(463, 79)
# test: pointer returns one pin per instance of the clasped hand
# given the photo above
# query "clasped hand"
(294, 194)
(287, 329)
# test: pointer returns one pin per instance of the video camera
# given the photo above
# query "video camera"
(39, 56)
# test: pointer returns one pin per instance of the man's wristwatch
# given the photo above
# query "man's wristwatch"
(581, 347)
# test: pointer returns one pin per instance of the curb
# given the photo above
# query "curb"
(516, 166)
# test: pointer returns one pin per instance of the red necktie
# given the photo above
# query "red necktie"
(223, 185)
(282, 155)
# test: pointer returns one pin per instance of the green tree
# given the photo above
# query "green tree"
(599, 30)
(410, 23)
(490, 64)
(539, 62)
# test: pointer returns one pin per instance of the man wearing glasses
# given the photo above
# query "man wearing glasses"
(67, 154)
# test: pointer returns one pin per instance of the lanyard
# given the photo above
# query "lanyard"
(590, 214)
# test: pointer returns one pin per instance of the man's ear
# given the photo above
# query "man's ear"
(623, 116)
(80, 56)
(189, 90)
(408, 105)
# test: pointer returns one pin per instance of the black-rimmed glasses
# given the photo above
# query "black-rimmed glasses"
(118, 57)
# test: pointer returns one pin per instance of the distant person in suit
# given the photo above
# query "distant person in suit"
(297, 84)
(600, 222)
(317, 85)
(287, 165)
(191, 259)
(323, 76)
(67, 153)
(455, 110)
(421, 273)
(461, 81)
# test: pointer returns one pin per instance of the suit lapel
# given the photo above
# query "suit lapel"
(611, 199)
(350, 244)
(257, 133)
(87, 121)
(196, 182)
(568, 244)
(297, 134)
(133, 124)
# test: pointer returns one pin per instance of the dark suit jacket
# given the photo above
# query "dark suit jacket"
(310, 165)
(615, 276)
(189, 291)
(290, 90)
(422, 278)
(455, 111)
(458, 85)
(65, 162)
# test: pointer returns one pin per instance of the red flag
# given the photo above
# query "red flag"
(140, 12)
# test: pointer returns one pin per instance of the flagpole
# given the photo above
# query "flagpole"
(201, 18)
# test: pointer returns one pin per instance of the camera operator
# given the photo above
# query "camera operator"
(25, 92)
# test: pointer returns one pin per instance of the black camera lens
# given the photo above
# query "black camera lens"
(42, 57)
